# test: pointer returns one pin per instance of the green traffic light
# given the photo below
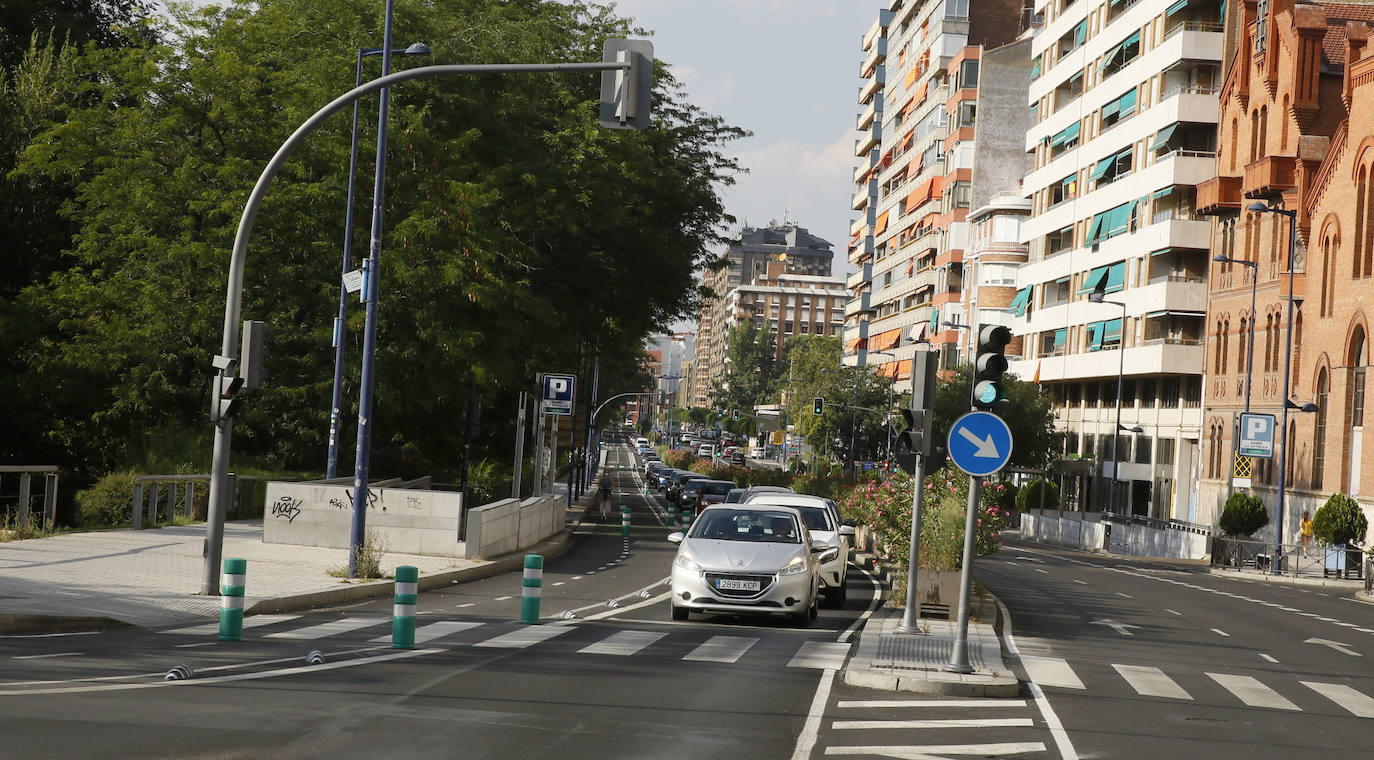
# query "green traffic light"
(987, 392)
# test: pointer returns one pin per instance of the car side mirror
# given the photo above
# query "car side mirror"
(848, 521)
(828, 555)
(846, 530)
(676, 537)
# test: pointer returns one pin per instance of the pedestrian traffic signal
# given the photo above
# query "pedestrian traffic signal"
(991, 363)
(254, 352)
(818, 406)
(224, 396)
(734, 414)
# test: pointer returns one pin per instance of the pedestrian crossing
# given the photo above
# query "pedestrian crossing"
(720, 649)
(1151, 681)
(951, 727)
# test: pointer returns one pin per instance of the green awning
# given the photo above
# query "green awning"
(1035, 67)
(935, 320)
(1020, 302)
(1061, 336)
(1162, 138)
(1094, 336)
(1162, 193)
(1111, 109)
(1095, 229)
(1127, 103)
(1090, 281)
(1080, 33)
(1111, 329)
(1069, 133)
(1112, 278)
(1176, 7)
(1101, 170)
(1131, 40)
(1110, 58)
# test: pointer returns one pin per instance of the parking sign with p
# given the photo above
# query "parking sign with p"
(1256, 436)
(557, 394)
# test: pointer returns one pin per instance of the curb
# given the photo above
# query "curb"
(924, 680)
(19, 623)
(1286, 580)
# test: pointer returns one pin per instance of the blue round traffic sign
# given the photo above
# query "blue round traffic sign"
(979, 443)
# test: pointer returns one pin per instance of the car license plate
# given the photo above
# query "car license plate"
(732, 584)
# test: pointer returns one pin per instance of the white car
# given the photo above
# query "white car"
(822, 518)
(756, 452)
(748, 559)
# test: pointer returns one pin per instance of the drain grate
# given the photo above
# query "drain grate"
(921, 651)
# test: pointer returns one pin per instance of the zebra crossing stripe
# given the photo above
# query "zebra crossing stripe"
(623, 643)
(721, 649)
(822, 655)
(917, 751)
(432, 631)
(523, 637)
(1252, 692)
(252, 621)
(1151, 682)
(1051, 671)
(1358, 704)
(869, 704)
(332, 628)
(952, 723)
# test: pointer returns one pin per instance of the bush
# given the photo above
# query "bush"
(1243, 515)
(1340, 521)
(1029, 496)
(109, 502)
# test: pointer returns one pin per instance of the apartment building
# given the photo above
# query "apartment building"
(1296, 129)
(1125, 97)
(923, 83)
(778, 276)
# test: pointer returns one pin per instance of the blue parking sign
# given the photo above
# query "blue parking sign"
(556, 395)
(1256, 435)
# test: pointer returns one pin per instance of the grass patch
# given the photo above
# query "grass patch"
(13, 528)
(368, 560)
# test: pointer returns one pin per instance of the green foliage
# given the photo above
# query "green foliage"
(108, 502)
(1340, 521)
(16, 528)
(1028, 412)
(752, 375)
(487, 482)
(1028, 497)
(816, 370)
(1243, 515)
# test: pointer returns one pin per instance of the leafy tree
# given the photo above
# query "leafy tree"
(1027, 411)
(1029, 496)
(1243, 514)
(514, 242)
(1340, 521)
(816, 370)
(751, 374)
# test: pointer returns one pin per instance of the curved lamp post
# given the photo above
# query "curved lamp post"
(1096, 297)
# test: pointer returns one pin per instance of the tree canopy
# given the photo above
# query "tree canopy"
(519, 237)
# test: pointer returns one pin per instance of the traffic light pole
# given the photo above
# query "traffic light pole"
(923, 366)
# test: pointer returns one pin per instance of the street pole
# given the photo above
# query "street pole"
(923, 367)
(363, 455)
(538, 489)
(1287, 370)
(958, 657)
(519, 446)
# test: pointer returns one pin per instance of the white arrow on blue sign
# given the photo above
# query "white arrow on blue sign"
(979, 443)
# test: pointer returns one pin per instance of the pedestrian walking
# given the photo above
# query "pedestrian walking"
(605, 495)
(1305, 530)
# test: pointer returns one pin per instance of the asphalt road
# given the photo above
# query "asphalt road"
(1151, 660)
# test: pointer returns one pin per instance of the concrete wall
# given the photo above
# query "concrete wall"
(509, 525)
(1132, 540)
(405, 520)
(1004, 118)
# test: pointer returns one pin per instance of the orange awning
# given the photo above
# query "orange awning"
(920, 96)
(881, 224)
(904, 369)
(885, 340)
(920, 195)
(909, 138)
(855, 344)
(855, 241)
(910, 266)
(910, 77)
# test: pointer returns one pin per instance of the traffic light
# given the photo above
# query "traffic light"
(991, 363)
(224, 396)
(734, 414)
(626, 94)
(818, 406)
(254, 352)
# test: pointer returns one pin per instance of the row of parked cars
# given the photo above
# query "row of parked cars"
(755, 550)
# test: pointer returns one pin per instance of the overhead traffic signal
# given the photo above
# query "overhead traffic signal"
(990, 365)
(818, 406)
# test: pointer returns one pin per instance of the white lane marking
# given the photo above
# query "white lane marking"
(252, 621)
(226, 679)
(1252, 692)
(613, 611)
(575, 578)
(1051, 671)
(1365, 630)
(1061, 737)
(332, 628)
(500, 598)
(1038, 570)
(1267, 657)
(872, 606)
(722, 649)
(560, 583)
(1081, 583)
(1358, 704)
(195, 646)
(1220, 632)
(1173, 612)
(1151, 682)
(523, 637)
(469, 604)
(866, 704)
(623, 643)
(432, 631)
(1289, 609)
(46, 656)
(1128, 596)
(822, 655)
(806, 740)
(932, 751)
(952, 723)
(49, 635)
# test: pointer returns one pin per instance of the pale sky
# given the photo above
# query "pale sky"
(788, 71)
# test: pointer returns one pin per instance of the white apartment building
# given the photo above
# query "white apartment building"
(1125, 96)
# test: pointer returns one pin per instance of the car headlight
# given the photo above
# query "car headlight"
(796, 566)
(686, 561)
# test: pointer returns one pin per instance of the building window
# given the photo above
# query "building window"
(968, 113)
(1319, 440)
(1261, 25)
(1357, 373)
(1240, 355)
(1192, 392)
(1142, 449)
(1148, 393)
(1164, 451)
(1361, 240)
(968, 72)
(1169, 395)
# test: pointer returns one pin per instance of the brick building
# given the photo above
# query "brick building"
(1297, 133)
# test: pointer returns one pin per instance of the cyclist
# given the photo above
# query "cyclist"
(605, 495)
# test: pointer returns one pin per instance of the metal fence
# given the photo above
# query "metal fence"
(1320, 560)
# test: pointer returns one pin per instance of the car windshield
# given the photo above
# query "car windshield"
(735, 496)
(746, 525)
(717, 489)
(816, 518)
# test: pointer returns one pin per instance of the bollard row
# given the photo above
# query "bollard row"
(403, 607)
(232, 583)
(532, 589)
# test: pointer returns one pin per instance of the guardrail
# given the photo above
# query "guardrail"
(25, 501)
(1319, 560)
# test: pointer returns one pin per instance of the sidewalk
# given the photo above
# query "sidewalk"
(152, 578)
(895, 661)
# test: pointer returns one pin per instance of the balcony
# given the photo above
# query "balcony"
(868, 140)
(1270, 176)
(866, 117)
(872, 85)
(875, 56)
(1219, 196)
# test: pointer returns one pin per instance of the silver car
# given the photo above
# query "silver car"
(822, 518)
(748, 559)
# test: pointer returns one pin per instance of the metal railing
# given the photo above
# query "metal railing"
(1318, 560)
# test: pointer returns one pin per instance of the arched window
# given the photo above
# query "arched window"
(1268, 347)
(1240, 355)
(1235, 132)
(1297, 345)
(1225, 342)
(1319, 437)
(1283, 131)
(1263, 132)
(1254, 135)
(1361, 190)
(1216, 359)
(1326, 269)
(1356, 361)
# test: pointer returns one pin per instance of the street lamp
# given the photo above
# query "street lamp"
(890, 386)
(1096, 297)
(332, 464)
(1260, 208)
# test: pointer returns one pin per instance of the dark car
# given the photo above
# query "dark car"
(651, 470)
(675, 483)
(699, 493)
(736, 457)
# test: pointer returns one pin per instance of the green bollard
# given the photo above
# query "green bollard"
(686, 517)
(624, 520)
(533, 588)
(231, 587)
(403, 607)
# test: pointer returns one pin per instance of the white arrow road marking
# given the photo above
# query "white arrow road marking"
(1336, 645)
(986, 448)
(1118, 627)
(935, 751)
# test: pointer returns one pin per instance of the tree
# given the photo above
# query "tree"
(751, 374)
(817, 370)
(1028, 412)
(511, 217)
(1030, 495)
(1243, 515)
(1340, 521)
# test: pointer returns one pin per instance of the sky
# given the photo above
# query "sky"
(788, 71)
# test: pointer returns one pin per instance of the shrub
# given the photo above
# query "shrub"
(1340, 521)
(1029, 496)
(109, 502)
(1243, 515)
